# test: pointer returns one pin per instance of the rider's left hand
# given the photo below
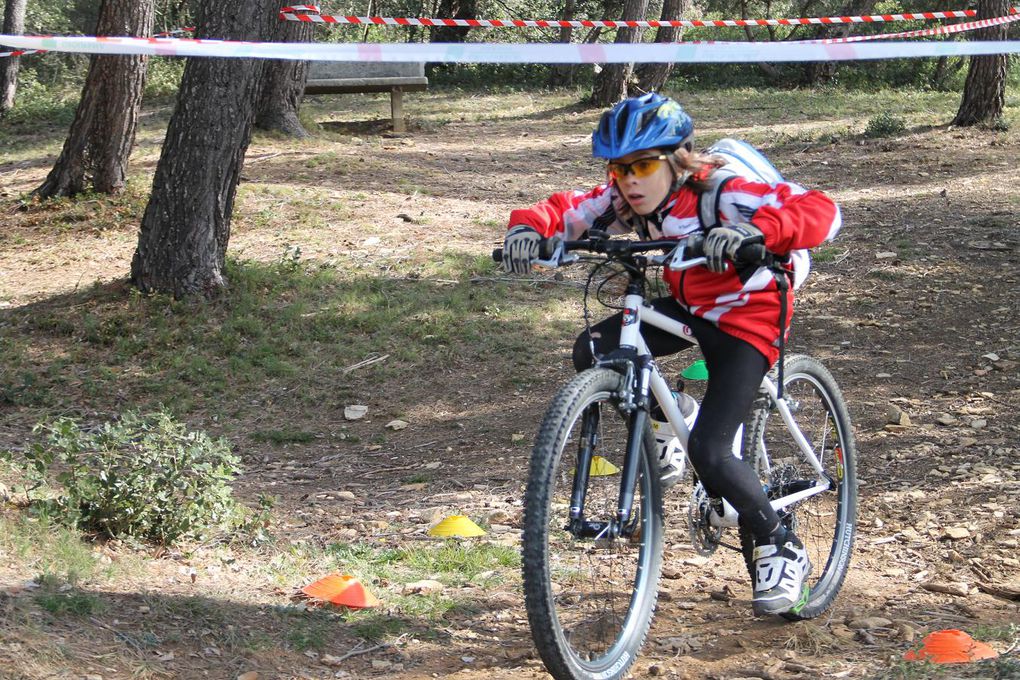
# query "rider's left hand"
(722, 243)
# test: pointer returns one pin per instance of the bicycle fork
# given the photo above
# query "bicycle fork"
(637, 370)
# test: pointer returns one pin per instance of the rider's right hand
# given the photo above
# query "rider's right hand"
(521, 249)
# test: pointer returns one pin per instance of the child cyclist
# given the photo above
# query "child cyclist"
(653, 181)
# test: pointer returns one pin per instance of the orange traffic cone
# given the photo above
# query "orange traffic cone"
(341, 589)
(951, 646)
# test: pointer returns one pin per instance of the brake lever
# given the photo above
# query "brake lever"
(677, 261)
(558, 258)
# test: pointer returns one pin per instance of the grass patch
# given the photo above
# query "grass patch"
(48, 548)
(72, 602)
(283, 436)
(992, 633)
(827, 252)
(457, 563)
(284, 327)
(885, 124)
(451, 562)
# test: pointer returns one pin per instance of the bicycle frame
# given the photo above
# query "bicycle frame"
(647, 377)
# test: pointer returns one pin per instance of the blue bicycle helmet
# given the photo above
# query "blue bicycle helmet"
(650, 121)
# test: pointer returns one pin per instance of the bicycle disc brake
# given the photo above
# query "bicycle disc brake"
(704, 537)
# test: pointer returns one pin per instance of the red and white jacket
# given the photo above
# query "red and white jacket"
(744, 304)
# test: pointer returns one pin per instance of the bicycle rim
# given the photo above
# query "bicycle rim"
(826, 522)
(590, 599)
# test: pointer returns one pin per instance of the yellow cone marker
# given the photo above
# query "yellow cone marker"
(457, 525)
(600, 467)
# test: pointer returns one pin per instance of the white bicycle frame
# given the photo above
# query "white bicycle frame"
(638, 311)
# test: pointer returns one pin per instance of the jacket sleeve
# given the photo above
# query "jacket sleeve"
(789, 216)
(569, 213)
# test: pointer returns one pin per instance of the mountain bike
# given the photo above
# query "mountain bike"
(593, 518)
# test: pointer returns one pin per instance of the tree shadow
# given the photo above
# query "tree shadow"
(70, 631)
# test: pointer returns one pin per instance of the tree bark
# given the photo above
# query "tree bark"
(561, 75)
(652, 77)
(284, 86)
(98, 146)
(453, 9)
(984, 91)
(182, 243)
(817, 72)
(14, 24)
(612, 82)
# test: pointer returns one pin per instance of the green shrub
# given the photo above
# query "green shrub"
(164, 77)
(885, 125)
(143, 476)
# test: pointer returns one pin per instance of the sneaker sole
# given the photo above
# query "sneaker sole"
(762, 608)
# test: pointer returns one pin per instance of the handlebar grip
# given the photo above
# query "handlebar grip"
(497, 255)
(753, 252)
(547, 247)
(694, 246)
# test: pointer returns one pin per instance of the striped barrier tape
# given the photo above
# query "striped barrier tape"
(310, 16)
(513, 53)
(19, 53)
(176, 32)
(165, 34)
(923, 32)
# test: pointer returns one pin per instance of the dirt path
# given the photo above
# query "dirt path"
(914, 309)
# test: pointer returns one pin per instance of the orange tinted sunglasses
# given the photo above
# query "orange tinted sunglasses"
(642, 167)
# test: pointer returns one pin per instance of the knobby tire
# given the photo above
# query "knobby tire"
(589, 621)
(824, 420)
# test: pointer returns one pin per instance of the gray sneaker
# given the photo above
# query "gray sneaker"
(780, 572)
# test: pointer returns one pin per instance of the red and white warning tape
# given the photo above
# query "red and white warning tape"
(938, 30)
(309, 13)
(176, 32)
(19, 53)
(165, 34)
(514, 53)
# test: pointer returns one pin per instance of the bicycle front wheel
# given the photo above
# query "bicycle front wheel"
(826, 522)
(590, 594)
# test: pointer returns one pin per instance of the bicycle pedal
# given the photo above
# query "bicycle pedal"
(802, 602)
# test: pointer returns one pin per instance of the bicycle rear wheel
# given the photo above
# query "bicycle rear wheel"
(826, 522)
(590, 596)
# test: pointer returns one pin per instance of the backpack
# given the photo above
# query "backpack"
(743, 160)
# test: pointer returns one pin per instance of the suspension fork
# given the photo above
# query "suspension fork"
(638, 421)
(585, 452)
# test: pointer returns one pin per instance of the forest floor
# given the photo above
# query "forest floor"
(355, 246)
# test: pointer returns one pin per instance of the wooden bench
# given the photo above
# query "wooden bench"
(343, 77)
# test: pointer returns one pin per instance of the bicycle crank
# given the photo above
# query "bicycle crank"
(705, 538)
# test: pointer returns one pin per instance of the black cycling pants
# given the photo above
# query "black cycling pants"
(735, 370)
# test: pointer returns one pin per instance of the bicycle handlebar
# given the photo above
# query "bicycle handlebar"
(694, 247)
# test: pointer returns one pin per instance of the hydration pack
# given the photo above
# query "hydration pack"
(743, 160)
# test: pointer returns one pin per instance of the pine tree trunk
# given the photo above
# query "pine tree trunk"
(14, 24)
(612, 82)
(453, 9)
(984, 91)
(818, 72)
(99, 143)
(284, 86)
(651, 77)
(182, 243)
(562, 75)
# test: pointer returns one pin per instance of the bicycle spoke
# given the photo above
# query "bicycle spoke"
(824, 522)
(590, 593)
